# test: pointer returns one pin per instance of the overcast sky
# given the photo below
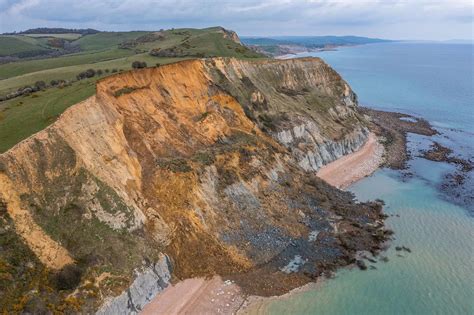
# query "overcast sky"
(392, 19)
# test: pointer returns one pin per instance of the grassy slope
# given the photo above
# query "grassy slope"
(12, 45)
(15, 69)
(23, 116)
(101, 41)
(208, 42)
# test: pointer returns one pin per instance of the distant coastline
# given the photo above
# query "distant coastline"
(291, 45)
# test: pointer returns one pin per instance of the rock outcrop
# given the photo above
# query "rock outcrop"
(147, 284)
(231, 35)
(210, 162)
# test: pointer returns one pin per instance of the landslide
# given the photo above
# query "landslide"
(202, 160)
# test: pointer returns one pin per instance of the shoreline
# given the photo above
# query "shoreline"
(352, 167)
(385, 147)
(197, 296)
(219, 296)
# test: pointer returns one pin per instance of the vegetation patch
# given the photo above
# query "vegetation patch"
(203, 116)
(127, 90)
(205, 158)
(175, 165)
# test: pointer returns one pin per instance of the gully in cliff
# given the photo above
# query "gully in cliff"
(193, 169)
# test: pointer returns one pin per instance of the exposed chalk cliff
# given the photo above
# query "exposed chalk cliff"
(318, 153)
(210, 162)
(147, 284)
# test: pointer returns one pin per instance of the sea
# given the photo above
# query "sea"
(431, 218)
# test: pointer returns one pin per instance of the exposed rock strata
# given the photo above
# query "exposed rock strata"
(148, 282)
(204, 160)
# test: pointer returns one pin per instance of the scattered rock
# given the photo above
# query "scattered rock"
(406, 249)
(361, 264)
(384, 259)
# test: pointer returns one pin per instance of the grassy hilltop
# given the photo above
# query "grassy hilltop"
(50, 61)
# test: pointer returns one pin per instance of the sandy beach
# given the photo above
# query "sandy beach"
(216, 296)
(197, 296)
(355, 166)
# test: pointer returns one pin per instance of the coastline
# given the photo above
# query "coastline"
(385, 147)
(197, 296)
(350, 168)
(219, 296)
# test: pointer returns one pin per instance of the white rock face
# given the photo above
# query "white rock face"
(319, 151)
(148, 283)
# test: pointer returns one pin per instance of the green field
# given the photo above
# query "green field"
(106, 40)
(22, 116)
(14, 45)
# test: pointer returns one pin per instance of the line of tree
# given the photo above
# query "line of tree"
(56, 30)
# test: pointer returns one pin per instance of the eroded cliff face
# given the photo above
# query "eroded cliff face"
(207, 161)
(302, 103)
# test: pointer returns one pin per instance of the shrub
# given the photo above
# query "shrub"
(267, 121)
(68, 277)
(176, 165)
(40, 85)
(54, 82)
(205, 158)
(203, 116)
(114, 70)
(125, 90)
(107, 70)
(99, 72)
(138, 64)
(89, 73)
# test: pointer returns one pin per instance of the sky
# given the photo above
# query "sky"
(390, 19)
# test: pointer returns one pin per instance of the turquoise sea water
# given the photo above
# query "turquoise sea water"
(437, 277)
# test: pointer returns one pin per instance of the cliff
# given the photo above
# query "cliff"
(209, 162)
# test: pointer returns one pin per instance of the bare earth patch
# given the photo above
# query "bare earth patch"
(48, 251)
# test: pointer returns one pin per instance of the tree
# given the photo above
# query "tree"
(90, 73)
(138, 64)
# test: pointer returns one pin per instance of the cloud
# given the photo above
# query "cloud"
(260, 17)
